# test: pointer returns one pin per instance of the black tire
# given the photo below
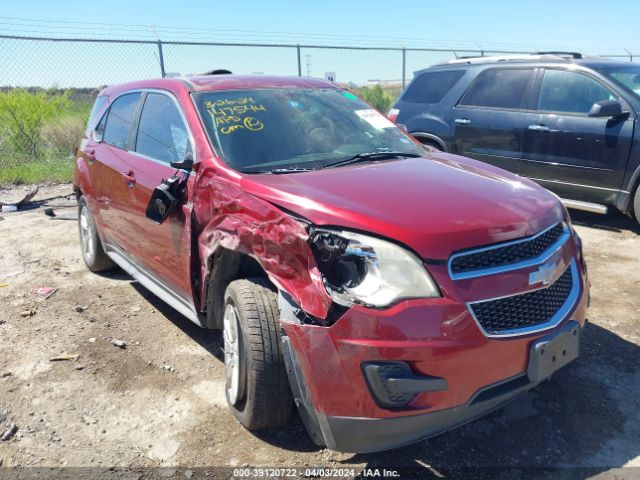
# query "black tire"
(636, 205)
(430, 144)
(95, 258)
(266, 401)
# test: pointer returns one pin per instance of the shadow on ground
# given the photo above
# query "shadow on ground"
(614, 221)
(566, 421)
(575, 425)
(563, 422)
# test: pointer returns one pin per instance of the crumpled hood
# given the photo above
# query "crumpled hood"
(434, 205)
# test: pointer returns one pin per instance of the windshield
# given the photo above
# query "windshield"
(628, 77)
(276, 130)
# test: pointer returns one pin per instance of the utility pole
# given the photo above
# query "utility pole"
(308, 65)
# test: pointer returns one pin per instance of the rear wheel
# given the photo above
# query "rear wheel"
(636, 205)
(90, 244)
(257, 388)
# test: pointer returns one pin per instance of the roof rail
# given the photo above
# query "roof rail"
(541, 56)
(219, 71)
(575, 55)
(491, 58)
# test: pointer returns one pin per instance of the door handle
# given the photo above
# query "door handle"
(539, 128)
(462, 121)
(91, 155)
(129, 178)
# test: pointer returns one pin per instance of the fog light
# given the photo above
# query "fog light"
(393, 384)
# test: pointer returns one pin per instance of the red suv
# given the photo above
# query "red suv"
(389, 292)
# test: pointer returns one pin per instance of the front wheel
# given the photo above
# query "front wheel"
(430, 144)
(257, 388)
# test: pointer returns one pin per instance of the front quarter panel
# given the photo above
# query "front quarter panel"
(233, 219)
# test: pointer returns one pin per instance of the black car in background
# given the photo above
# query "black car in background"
(566, 121)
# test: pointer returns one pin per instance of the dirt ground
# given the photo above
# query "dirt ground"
(160, 401)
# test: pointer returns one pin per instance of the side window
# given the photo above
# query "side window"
(499, 88)
(162, 134)
(570, 92)
(430, 87)
(96, 105)
(98, 133)
(120, 120)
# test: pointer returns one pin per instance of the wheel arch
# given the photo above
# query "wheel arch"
(223, 267)
(430, 138)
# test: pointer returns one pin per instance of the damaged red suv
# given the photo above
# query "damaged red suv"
(389, 292)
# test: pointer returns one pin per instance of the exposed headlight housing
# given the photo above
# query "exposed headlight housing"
(364, 270)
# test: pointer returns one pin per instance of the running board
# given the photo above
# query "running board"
(155, 287)
(585, 206)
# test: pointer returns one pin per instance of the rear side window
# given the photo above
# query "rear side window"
(162, 134)
(499, 88)
(430, 87)
(570, 92)
(120, 120)
(97, 105)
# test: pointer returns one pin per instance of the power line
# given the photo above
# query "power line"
(195, 31)
(33, 26)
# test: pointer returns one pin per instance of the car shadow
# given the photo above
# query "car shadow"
(614, 221)
(291, 437)
(580, 422)
(210, 340)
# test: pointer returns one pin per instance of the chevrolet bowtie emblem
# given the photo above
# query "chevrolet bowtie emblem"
(544, 274)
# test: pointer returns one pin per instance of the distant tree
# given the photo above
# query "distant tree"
(377, 97)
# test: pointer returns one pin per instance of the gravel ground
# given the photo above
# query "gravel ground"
(159, 402)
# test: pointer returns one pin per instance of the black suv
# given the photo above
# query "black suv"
(564, 120)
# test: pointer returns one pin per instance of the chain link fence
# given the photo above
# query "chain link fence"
(47, 85)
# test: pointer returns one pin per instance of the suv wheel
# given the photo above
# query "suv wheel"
(430, 144)
(90, 244)
(257, 388)
(636, 205)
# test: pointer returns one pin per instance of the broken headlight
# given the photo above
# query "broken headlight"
(359, 269)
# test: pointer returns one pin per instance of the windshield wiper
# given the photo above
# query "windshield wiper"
(277, 171)
(367, 156)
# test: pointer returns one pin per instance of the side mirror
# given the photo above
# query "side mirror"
(606, 109)
(164, 200)
(185, 164)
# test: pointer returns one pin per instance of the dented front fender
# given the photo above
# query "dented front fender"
(230, 218)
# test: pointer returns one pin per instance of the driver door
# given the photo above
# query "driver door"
(567, 151)
(162, 136)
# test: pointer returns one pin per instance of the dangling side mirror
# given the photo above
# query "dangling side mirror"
(164, 199)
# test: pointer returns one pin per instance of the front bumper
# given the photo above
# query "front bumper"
(437, 338)
(352, 434)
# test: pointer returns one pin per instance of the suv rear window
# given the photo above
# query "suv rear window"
(430, 87)
(97, 105)
(498, 88)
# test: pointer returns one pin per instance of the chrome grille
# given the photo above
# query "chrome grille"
(507, 256)
(531, 311)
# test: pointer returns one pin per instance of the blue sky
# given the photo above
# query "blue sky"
(587, 25)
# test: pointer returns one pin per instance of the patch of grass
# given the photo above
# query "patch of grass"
(38, 171)
(39, 131)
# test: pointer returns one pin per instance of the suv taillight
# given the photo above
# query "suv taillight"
(393, 114)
